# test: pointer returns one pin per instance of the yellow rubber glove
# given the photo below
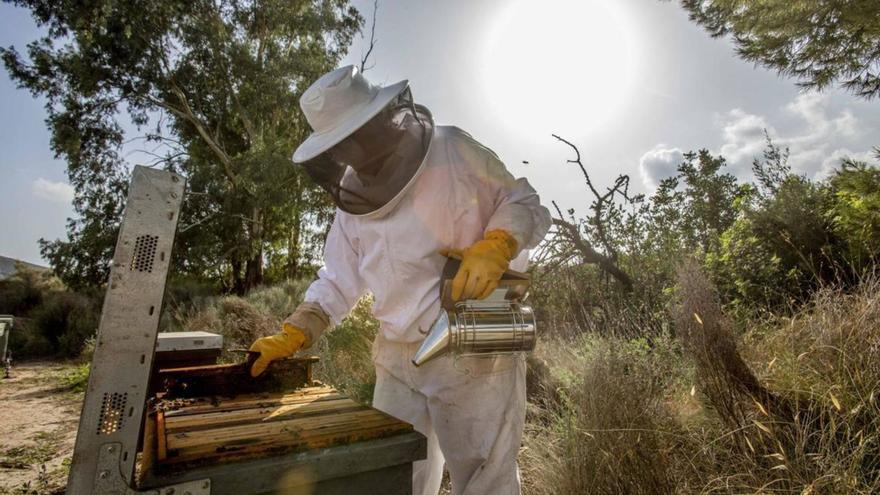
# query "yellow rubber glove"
(482, 265)
(278, 346)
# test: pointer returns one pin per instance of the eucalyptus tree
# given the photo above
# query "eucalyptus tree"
(212, 87)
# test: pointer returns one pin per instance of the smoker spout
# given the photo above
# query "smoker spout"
(436, 343)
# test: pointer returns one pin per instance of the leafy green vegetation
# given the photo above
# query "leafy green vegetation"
(213, 88)
(820, 43)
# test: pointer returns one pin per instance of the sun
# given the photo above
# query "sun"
(559, 65)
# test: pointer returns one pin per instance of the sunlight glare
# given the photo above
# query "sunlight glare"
(559, 65)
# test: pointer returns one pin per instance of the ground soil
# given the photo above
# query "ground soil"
(38, 419)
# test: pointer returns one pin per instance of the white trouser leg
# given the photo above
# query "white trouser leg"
(478, 417)
(396, 398)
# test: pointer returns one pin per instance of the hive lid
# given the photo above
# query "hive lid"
(188, 341)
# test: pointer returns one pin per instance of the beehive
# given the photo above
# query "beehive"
(208, 431)
(282, 433)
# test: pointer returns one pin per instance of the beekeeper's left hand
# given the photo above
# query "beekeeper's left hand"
(278, 346)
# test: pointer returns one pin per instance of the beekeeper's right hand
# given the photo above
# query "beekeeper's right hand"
(282, 345)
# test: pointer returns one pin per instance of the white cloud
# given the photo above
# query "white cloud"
(832, 161)
(812, 108)
(744, 138)
(819, 137)
(60, 192)
(659, 163)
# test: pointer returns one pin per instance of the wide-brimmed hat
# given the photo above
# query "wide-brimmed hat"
(339, 103)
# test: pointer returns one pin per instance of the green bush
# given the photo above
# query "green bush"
(77, 379)
(790, 240)
(65, 320)
(855, 211)
(346, 353)
(25, 289)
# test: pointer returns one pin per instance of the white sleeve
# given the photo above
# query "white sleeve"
(339, 284)
(518, 209)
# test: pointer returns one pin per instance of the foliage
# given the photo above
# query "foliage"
(49, 320)
(214, 86)
(793, 235)
(695, 206)
(24, 290)
(66, 321)
(855, 211)
(77, 379)
(820, 43)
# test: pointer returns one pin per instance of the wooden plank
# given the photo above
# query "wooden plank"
(150, 444)
(247, 473)
(368, 430)
(161, 437)
(281, 429)
(258, 415)
(372, 426)
(204, 430)
(210, 404)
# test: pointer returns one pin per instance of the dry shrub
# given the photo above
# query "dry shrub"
(817, 431)
(791, 406)
(827, 360)
(571, 300)
(240, 320)
(612, 432)
(723, 376)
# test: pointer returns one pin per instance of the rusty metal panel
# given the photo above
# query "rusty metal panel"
(115, 399)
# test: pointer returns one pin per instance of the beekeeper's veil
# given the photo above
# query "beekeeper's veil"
(338, 104)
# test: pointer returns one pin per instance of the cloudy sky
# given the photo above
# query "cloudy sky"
(632, 83)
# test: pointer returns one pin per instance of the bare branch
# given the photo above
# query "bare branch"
(373, 41)
(588, 254)
(577, 160)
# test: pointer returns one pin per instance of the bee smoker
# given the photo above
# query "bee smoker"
(501, 324)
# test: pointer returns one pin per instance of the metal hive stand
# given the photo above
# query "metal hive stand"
(113, 409)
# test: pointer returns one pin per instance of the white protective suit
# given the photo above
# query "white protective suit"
(471, 410)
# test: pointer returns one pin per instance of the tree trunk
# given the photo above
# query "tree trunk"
(237, 280)
(293, 247)
(253, 275)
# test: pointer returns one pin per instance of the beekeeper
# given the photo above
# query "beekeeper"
(407, 190)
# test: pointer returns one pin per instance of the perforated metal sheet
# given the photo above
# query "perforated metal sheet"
(116, 395)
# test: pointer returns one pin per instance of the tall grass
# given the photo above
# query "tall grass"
(788, 406)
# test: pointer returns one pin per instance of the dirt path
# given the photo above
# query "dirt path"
(39, 418)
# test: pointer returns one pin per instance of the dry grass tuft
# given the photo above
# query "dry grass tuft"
(612, 431)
